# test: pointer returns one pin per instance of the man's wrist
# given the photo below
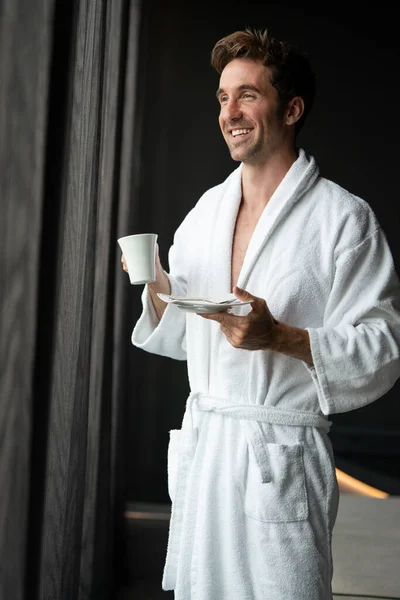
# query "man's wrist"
(291, 341)
(160, 286)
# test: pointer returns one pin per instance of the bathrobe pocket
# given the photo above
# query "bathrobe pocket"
(172, 461)
(283, 498)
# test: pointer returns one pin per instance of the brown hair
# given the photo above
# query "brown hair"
(291, 72)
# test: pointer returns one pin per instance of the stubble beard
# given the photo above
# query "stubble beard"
(251, 154)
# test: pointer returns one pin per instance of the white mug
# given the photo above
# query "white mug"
(139, 251)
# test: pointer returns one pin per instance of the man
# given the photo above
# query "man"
(251, 472)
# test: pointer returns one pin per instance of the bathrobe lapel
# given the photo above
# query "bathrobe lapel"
(296, 182)
(220, 257)
(298, 179)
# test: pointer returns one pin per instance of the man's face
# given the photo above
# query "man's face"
(249, 118)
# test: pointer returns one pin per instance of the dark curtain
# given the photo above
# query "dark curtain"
(67, 100)
(24, 76)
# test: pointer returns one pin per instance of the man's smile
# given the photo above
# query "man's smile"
(239, 133)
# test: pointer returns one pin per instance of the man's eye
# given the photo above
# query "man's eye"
(248, 96)
(223, 99)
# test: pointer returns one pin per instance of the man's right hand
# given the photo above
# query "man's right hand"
(160, 286)
(124, 265)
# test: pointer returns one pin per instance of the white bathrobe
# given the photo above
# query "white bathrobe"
(251, 472)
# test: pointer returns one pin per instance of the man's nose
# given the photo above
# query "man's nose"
(232, 110)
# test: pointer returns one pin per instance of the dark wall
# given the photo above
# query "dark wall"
(353, 132)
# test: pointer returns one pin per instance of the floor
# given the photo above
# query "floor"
(366, 549)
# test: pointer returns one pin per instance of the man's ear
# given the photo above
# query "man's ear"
(294, 110)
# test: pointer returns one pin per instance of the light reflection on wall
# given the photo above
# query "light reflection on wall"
(350, 485)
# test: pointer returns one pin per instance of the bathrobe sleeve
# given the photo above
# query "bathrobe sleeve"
(166, 337)
(356, 351)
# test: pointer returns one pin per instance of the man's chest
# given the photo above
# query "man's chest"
(244, 229)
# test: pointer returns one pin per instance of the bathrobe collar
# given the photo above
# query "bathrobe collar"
(300, 177)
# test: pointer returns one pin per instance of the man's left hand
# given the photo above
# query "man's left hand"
(251, 332)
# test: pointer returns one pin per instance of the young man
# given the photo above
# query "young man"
(251, 472)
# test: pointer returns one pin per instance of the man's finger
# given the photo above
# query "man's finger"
(245, 296)
(211, 316)
(220, 317)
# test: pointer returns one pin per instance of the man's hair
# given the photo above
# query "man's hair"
(291, 72)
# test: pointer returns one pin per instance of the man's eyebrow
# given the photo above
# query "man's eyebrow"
(244, 86)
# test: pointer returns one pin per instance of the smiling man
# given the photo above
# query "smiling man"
(250, 118)
(251, 472)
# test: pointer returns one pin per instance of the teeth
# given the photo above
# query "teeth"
(236, 132)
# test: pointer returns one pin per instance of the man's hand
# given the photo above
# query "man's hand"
(160, 285)
(260, 331)
(124, 265)
(252, 332)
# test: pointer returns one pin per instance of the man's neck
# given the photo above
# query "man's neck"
(259, 182)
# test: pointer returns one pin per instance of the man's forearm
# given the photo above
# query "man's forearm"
(292, 341)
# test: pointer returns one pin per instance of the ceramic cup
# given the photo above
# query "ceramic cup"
(139, 251)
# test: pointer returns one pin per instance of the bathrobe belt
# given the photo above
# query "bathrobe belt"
(251, 416)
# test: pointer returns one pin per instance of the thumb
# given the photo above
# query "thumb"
(243, 295)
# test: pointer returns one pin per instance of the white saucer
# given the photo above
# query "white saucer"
(201, 305)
